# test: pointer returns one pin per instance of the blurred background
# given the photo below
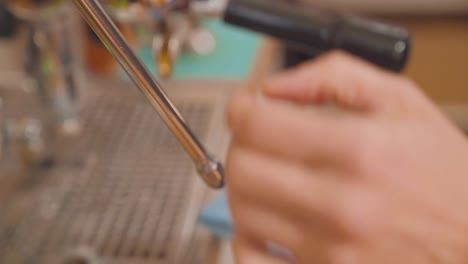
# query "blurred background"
(88, 171)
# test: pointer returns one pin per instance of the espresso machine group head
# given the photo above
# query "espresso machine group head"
(175, 27)
(308, 29)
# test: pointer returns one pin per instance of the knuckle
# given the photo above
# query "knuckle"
(403, 85)
(335, 56)
(407, 82)
(358, 213)
(237, 111)
(333, 60)
(235, 168)
(242, 175)
(232, 109)
(248, 122)
(336, 60)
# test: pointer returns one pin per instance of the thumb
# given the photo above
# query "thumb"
(342, 79)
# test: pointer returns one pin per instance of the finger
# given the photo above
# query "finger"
(293, 133)
(287, 238)
(246, 252)
(261, 224)
(284, 188)
(346, 80)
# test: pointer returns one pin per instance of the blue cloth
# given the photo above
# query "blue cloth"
(217, 217)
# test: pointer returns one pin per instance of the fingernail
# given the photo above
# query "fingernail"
(276, 250)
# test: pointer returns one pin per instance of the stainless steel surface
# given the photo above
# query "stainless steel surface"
(27, 137)
(209, 169)
(174, 27)
(124, 192)
(167, 46)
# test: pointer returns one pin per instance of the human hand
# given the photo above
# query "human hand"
(383, 181)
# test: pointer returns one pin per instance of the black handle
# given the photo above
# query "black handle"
(316, 31)
(8, 22)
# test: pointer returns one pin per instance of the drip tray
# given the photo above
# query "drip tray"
(124, 190)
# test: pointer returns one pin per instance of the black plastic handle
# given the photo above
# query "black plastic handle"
(8, 22)
(314, 31)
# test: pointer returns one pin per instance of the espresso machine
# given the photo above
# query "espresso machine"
(89, 174)
(112, 178)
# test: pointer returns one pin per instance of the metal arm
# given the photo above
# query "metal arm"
(92, 11)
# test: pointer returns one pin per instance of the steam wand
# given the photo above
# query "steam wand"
(210, 170)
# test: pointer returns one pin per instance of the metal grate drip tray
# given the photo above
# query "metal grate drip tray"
(122, 189)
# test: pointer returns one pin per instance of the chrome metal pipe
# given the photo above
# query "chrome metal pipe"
(210, 170)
